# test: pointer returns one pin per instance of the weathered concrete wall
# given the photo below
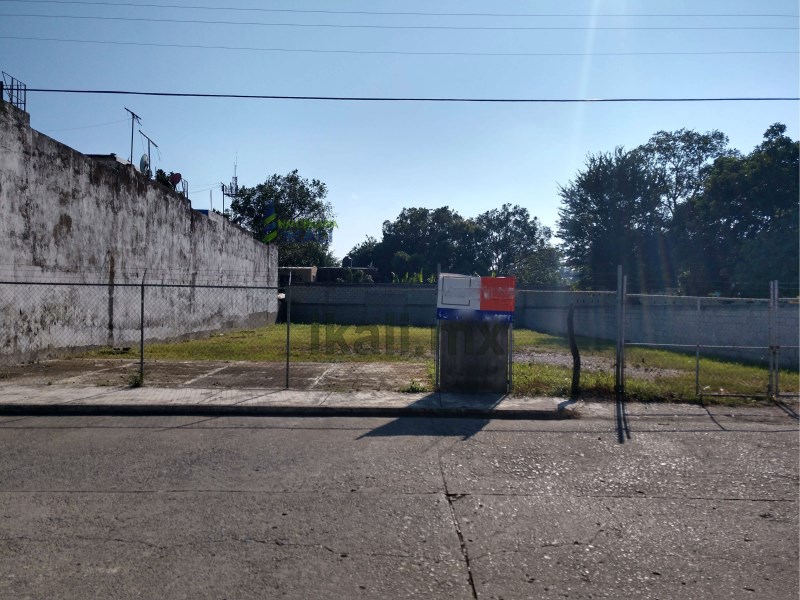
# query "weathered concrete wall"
(741, 322)
(355, 304)
(649, 319)
(68, 218)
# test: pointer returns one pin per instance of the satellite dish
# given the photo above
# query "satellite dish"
(175, 179)
(144, 165)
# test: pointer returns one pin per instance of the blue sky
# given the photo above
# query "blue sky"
(377, 158)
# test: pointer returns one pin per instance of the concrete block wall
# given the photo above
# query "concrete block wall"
(354, 304)
(649, 319)
(742, 322)
(595, 312)
(68, 218)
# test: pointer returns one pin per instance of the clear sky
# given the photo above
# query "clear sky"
(377, 158)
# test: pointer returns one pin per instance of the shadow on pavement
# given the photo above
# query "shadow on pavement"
(461, 424)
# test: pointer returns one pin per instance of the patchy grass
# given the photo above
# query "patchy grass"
(526, 339)
(308, 343)
(652, 374)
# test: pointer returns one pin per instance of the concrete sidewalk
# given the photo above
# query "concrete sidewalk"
(96, 400)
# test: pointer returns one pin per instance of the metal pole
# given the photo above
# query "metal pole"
(437, 355)
(622, 331)
(288, 329)
(771, 384)
(773, 345)
(134, 118)
(697, 353)
(777, 345)
(141, 335)
(132, 139)
(618, 359)
(149, 159)
(510, 357)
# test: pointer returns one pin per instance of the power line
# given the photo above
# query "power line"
(85, 126)
(395, 27)
(393, 52)
(410, 99)
(394, 14)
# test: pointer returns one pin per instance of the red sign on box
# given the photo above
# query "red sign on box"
(497, 294)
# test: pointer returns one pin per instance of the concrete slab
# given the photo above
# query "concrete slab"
(380, 399)
(287, 398)
(86, 400)
(44, 395)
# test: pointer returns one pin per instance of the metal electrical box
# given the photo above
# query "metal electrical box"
(474, 324)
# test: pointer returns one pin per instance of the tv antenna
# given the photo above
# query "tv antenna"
(147, 171)
(134, 119)
(232, 191)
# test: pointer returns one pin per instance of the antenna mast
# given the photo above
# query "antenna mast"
(232, 191)
(149, 141)
(134, 119)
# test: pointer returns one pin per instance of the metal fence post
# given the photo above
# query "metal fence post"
(622, 328)
(771, 355)
(618, 361)
(141, 335)
(697, 353)
(288, 330)
(510, 386)
(777, 344)
(774, 347)
(437, 355)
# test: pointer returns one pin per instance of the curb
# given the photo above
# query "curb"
(140, 410)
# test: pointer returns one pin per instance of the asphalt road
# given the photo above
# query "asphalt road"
(695, 504)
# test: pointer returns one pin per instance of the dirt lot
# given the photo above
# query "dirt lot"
(592, 364)
(343, 376)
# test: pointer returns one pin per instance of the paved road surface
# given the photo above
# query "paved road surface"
(696, 504)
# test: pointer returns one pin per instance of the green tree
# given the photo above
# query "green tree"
(302, 217)
(677, 158)
(539, 268)
(420, 240)
(514, 243)
(363, 254)
(610, 216)
(431, 238)
(630, 208)
(741, 231)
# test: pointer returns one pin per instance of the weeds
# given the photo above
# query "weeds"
(415, 387)
(653, 374)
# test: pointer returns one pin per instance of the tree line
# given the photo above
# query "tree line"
(686, 213)
(422, 241)
(683, 213)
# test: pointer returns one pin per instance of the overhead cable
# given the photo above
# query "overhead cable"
(395, 13)
(396, 27)
(412, 99)
(391, 52)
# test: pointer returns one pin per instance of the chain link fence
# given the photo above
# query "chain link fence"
(222, 340)
(225, 339)
(696, 347)
(547, 360)
(127, 334)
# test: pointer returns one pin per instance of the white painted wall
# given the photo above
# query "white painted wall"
(67, 218)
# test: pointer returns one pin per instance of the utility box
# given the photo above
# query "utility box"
(474, 324)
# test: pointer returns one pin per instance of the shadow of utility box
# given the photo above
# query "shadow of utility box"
(474, 356)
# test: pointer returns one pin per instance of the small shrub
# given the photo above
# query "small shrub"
(415, 387)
